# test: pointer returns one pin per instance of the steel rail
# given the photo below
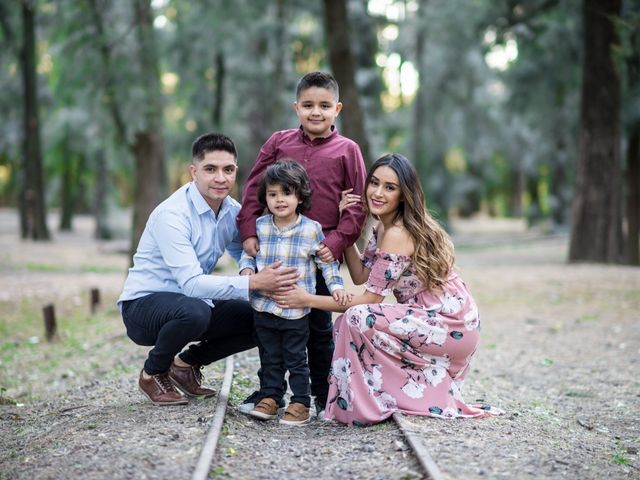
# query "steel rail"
(419, 449)
(210, 444)
(208, 451)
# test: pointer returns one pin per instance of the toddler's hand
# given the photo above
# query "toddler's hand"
(247, 271)
(341, 297)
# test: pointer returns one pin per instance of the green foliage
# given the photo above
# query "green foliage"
(233, 67)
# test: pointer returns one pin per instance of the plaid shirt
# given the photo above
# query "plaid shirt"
(296, 245)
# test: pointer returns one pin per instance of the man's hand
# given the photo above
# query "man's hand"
(274, 278)
(325, 254)
(251, 245)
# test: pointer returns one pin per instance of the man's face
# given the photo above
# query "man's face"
(214, 176)
(317, 109)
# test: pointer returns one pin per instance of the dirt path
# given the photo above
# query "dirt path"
(560, 352)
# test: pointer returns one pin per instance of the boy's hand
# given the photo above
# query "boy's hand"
(323, 253)
(251, 245)
(247, 271)
(341, 297)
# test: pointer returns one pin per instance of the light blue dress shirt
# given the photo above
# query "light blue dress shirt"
(181, 244)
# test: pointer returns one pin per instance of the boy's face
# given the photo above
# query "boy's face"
(317, 109)
(214, 176)
(282, 203)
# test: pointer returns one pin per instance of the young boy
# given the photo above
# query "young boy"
(334, 163)
(282, 334)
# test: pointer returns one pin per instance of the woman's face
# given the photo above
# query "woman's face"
(383, 192)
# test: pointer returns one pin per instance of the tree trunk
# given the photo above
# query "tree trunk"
(33, 214)
(420, 153)
(558, 182)
(150, 181)
(67, 190)
(149, 152)
(534, 212)
(148, 146)
(596, 233)
(633, 196)
(102, 231)
(280, 61)
(517, 190)
(341, 60)
(218, 100)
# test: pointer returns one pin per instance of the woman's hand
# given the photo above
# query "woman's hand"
(296, 297)
(348, 199)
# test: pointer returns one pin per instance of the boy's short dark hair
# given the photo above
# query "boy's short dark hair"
(210, 142)
(320, 80)
(292, 177)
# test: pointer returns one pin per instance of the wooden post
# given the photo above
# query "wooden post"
(95, 299)
(50, 326)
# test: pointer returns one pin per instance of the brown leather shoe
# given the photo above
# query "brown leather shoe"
(159, 389)
(265, 410)
(189, 380)
(296, 414)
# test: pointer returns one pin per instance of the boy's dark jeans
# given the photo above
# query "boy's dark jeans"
(320, 346)
(169, 321)
(282, 343)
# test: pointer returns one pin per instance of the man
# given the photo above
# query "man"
(169, 299)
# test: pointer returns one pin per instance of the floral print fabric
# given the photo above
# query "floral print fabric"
(411, 356)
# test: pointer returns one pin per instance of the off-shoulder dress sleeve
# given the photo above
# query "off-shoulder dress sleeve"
(386, 269)
(368, 256)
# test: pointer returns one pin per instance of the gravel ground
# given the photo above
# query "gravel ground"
(559, 348)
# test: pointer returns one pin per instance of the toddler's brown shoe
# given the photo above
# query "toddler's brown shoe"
(265, 410)
(296, 414)
(189, 380)
(159, 389)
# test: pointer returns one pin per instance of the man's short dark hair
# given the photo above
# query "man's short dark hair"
(320, 80)
(210, 142)
(292, 177)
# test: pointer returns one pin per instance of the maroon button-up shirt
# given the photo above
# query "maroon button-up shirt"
(333, 163)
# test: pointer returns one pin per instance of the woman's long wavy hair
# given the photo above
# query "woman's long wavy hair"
(434, 253)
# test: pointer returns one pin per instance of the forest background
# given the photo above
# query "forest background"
(511, 108)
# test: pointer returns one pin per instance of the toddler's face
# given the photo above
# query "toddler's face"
(282, 203)
(317, 109)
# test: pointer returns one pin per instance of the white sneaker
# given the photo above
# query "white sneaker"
(320, 416)
(246, 408)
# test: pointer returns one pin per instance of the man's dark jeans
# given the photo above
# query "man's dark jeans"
(170, 321)
(283, 347)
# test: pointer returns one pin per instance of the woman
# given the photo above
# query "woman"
(410, 356)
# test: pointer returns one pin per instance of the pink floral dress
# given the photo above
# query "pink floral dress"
(411, 356)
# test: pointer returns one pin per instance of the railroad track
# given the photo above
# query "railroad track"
(207, 454)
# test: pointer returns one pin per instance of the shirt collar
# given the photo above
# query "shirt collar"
(288, 227)
(201, 204)
(316, 141)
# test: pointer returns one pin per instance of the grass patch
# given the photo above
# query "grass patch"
(86, 345)
(39, 267)
(44, 267)
(619, 457)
